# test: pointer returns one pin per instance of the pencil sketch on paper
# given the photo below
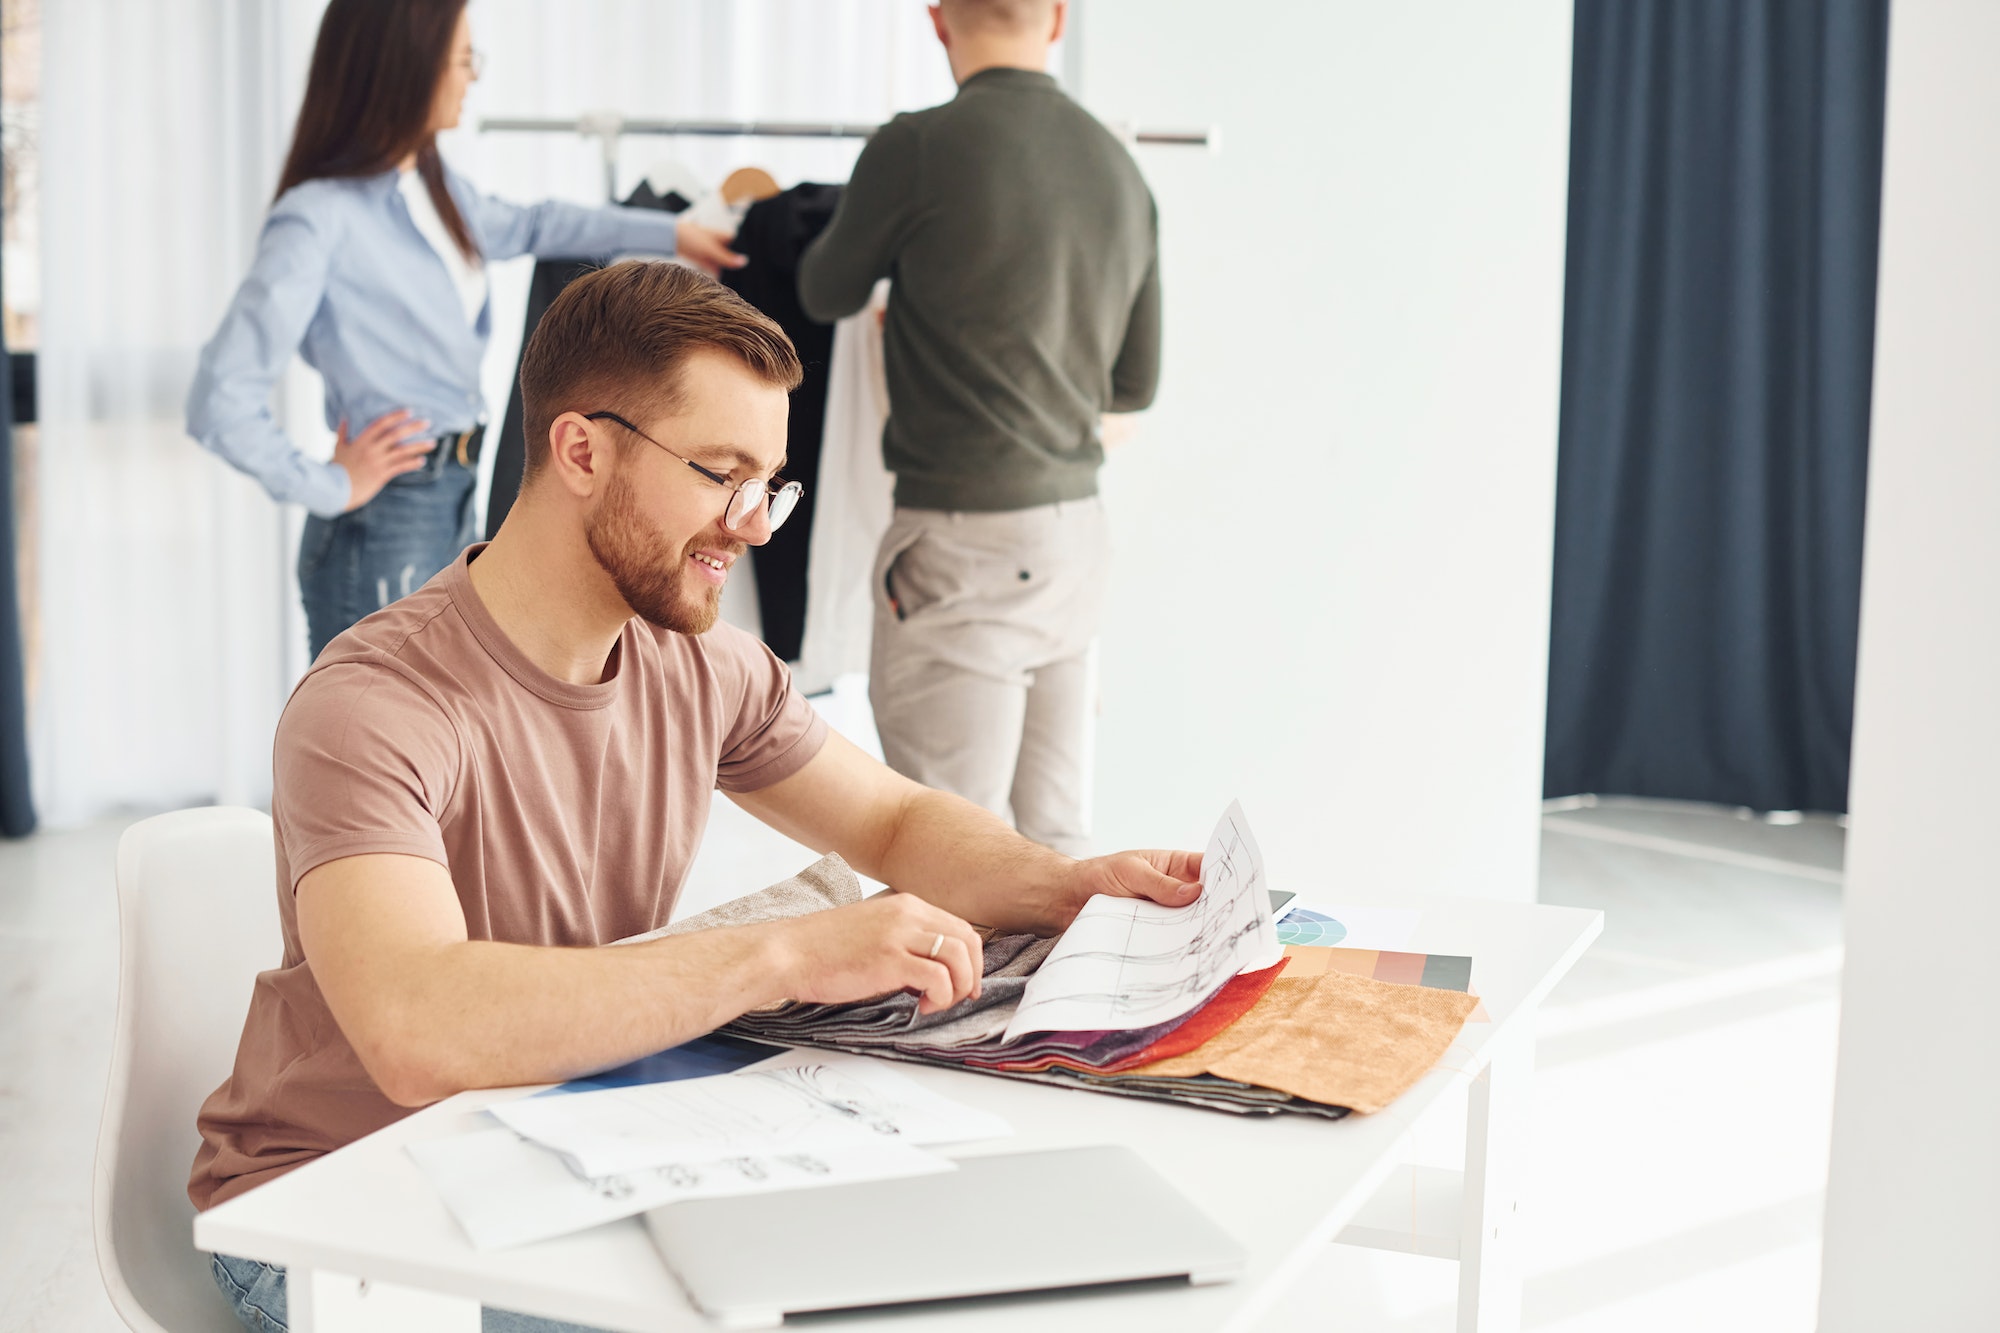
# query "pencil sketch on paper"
(779, 1106)
(1130, 963)
(505, 1190)
(798, 1119)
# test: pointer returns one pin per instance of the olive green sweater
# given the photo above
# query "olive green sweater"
(1022, 244)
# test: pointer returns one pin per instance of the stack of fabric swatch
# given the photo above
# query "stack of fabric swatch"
(1323, 1032)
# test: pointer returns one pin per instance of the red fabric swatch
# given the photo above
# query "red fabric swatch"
(1234, 1000)
(1230, 1003)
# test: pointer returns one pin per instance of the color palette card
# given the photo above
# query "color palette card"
(1436, 970)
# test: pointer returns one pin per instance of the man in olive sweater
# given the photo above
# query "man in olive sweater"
(1025, 304)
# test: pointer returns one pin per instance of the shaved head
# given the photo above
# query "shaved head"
(1009, 16)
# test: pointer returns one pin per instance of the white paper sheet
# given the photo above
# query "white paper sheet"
(1129, 963)
(814, 1101)
(506, 1191)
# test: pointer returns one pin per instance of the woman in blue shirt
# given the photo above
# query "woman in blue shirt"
(371, 266)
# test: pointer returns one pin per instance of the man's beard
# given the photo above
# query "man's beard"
(652, 584)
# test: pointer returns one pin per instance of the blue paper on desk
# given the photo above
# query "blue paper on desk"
(713, 1054)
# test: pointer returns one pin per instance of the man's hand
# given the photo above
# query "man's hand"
(705, 247)
(879, 946)
(1115, 429)
(1169, 878)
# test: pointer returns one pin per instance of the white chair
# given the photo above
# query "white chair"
(197, 920)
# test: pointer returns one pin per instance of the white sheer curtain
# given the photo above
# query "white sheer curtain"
(162, 580)
(171, 634)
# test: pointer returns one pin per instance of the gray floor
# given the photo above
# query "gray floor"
(1685, 1076)
(59, 977)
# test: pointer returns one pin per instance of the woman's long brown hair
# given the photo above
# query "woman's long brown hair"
(375, 72)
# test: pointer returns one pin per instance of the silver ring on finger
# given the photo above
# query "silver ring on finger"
(936, 944)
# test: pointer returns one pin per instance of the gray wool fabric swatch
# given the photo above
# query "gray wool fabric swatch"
(1009, 960)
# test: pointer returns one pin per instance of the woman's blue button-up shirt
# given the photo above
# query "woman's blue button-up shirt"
(344, 278)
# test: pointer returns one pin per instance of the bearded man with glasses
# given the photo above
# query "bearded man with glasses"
(480, 784)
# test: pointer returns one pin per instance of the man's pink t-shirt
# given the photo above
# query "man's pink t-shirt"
(567, 815)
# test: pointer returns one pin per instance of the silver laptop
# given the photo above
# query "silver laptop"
(1018, 1222)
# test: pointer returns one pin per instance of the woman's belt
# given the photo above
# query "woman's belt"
(465, 445)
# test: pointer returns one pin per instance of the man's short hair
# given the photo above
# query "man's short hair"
(997, 15)
(615, 340)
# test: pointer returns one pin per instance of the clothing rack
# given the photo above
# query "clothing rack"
(608, 126)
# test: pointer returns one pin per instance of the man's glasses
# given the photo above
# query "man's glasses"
(744, 498)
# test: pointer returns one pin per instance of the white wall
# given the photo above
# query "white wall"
(1911, 1226)
(1334, 529)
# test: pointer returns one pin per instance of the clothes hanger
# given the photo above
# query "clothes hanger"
(672, 176)
(747, 185)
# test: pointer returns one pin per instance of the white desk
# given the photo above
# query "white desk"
(369, 1245)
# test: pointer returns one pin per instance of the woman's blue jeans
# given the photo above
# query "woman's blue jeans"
(359, 562)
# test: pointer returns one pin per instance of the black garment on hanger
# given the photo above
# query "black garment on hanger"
(551, 276)
(775, 232)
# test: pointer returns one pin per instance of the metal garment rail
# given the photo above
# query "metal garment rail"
(607, 127)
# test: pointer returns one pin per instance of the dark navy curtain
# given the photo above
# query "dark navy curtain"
(17, 811)
(1718, 329)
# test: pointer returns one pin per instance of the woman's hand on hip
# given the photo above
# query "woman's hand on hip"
(393, 444)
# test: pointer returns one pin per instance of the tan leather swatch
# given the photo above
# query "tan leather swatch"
(1277, 1003)
(1336, 1039)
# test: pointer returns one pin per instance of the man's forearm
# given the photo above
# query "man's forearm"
(478, 1014)
(949, 853)
(939, 847)
(965, 859)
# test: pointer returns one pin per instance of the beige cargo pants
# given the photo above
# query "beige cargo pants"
(983, 669)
